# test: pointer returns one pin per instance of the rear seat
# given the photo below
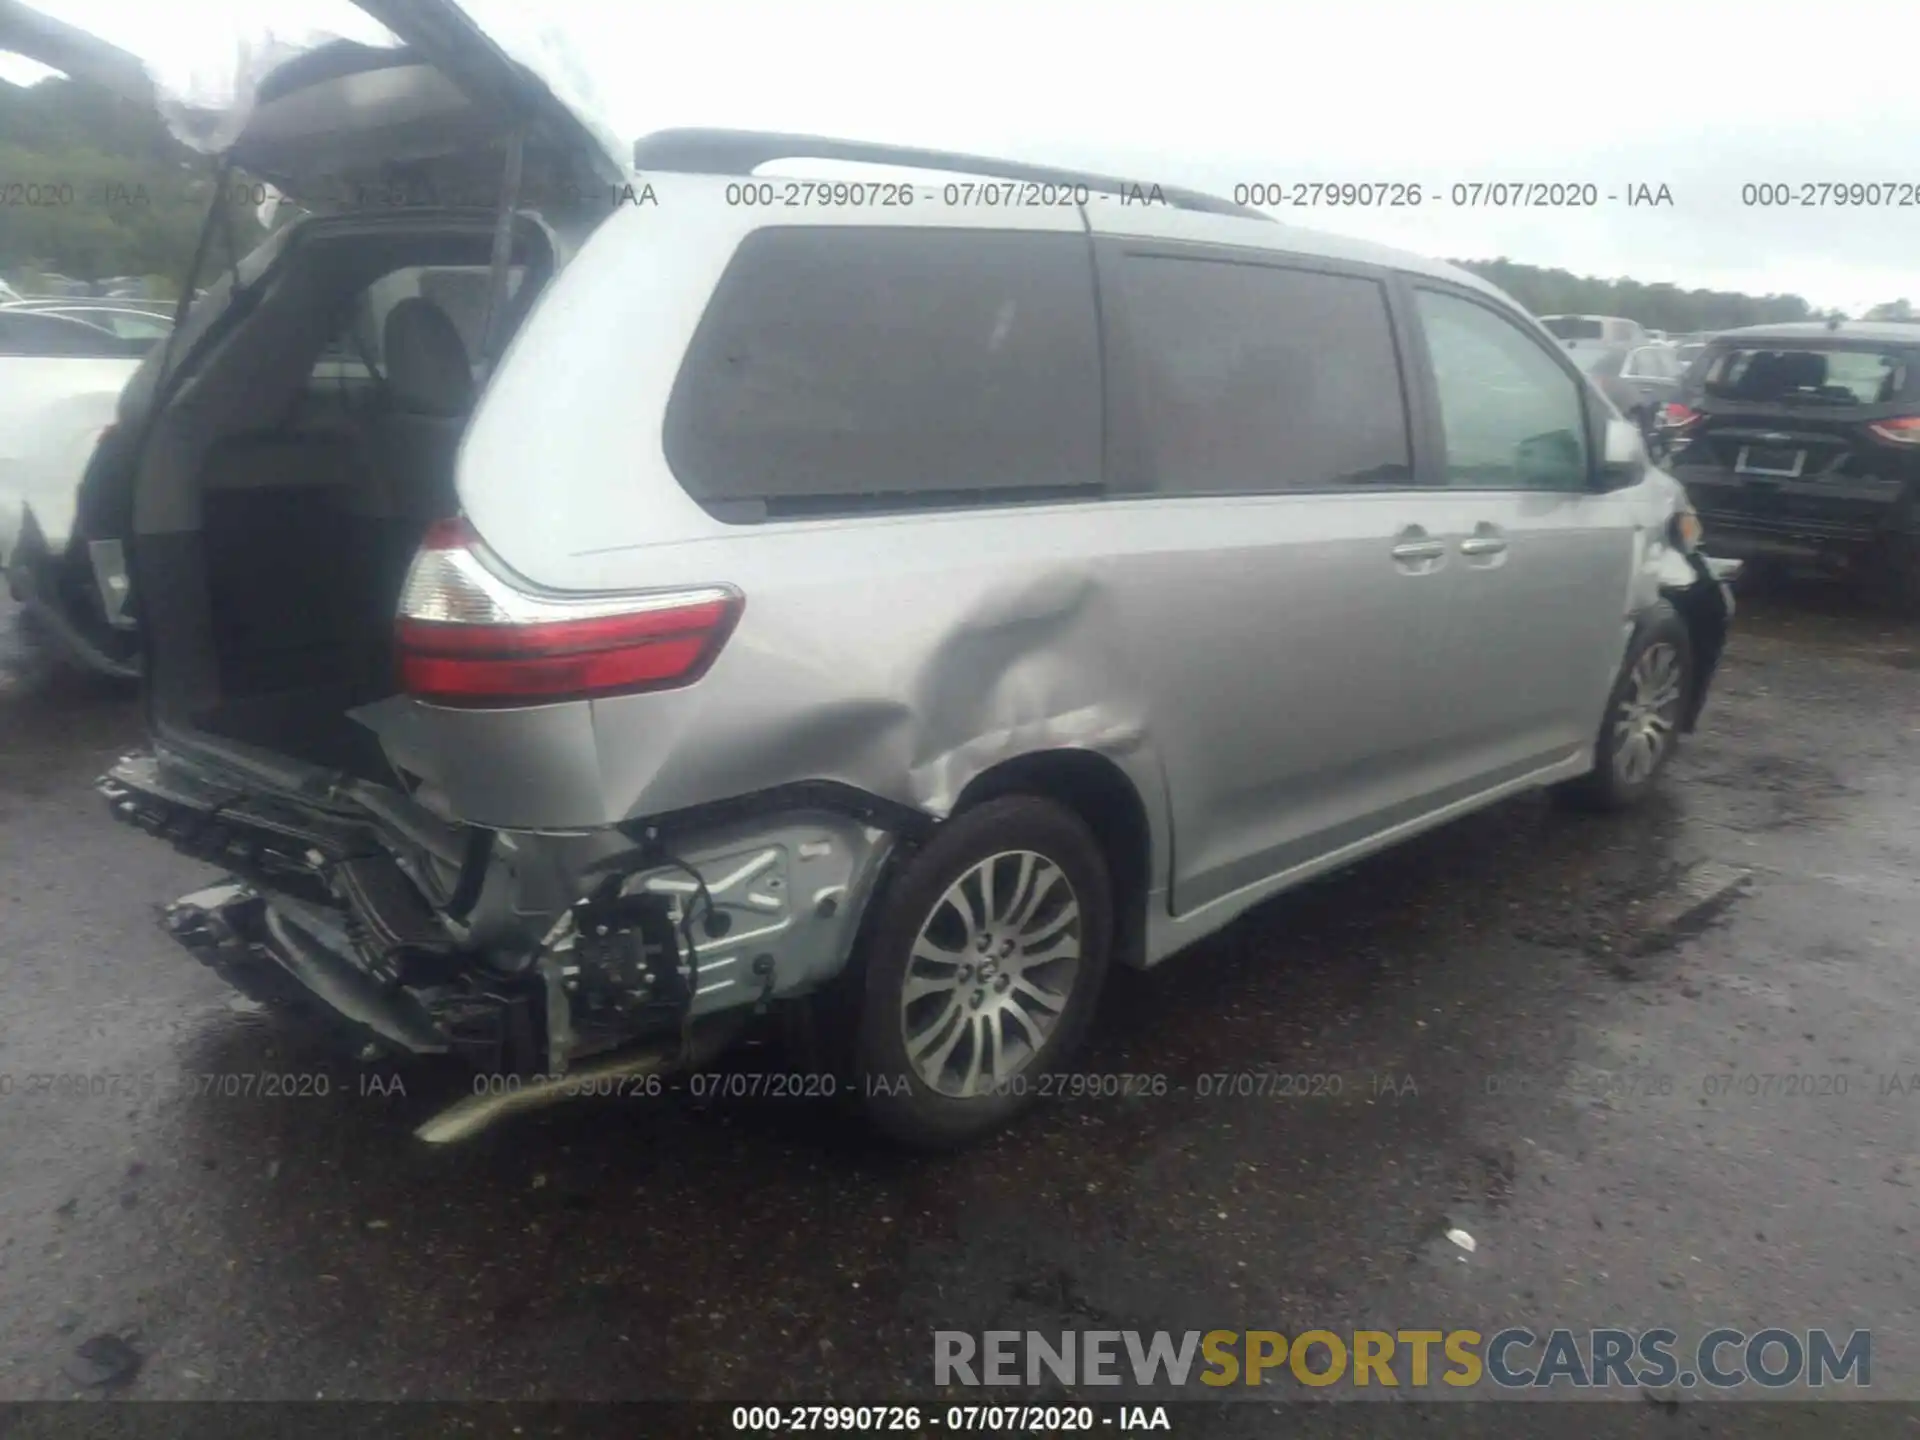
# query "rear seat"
(308, 534)
(429, 392)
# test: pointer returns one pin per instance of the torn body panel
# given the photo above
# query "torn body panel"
(577, 944)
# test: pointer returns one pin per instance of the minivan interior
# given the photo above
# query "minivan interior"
(294, 466)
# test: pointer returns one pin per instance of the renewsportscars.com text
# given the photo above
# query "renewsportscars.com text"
(1511, 1358)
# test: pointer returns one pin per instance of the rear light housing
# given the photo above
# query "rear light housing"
(468, 636)
(1905, 430)
(1676, 416)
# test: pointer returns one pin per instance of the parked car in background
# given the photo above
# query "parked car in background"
(128, 321)
(1600, 329)
(1639, 379)
(61, 376)
(1687, 351)
(1801, 442)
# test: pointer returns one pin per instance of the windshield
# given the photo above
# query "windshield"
(1826, 376)
(1574, 327)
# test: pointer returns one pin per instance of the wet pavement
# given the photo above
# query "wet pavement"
(1520, 1027)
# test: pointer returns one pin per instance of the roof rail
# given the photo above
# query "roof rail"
(741, 152)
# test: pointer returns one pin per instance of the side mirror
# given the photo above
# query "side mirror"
(1623, 456)
(1551, 461)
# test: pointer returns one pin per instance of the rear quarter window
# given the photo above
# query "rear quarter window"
(840, 370)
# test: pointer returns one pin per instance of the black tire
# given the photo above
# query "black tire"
(897, 1098)
(1615, 783)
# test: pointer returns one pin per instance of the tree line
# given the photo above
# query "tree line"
(97, 186)
(1657, 305)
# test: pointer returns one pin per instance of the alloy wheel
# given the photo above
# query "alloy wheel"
(1649, 714)
(990, 973)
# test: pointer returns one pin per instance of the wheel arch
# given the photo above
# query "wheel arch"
(1094, 787)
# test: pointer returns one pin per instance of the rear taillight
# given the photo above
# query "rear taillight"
(1676, 416)
(1904, 430)
(467, 636)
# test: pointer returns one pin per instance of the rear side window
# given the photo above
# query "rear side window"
(841, 370)
(1255, 378)
(1823, 376)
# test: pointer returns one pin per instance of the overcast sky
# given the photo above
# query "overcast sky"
(1700, 96)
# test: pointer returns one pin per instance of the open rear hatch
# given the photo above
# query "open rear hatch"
(348, 877)
(418, 93)
(381, 104)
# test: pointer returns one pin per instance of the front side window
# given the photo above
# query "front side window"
(840, 370)
(1254, 378)
(1513, 419)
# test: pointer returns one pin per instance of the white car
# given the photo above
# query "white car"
(60, 381)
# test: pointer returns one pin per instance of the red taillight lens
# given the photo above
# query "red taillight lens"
(1674, 415)
(468, 636)
(1905, 430)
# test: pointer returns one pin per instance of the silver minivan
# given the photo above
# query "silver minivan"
(884, 604)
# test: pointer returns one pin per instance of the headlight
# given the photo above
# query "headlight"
(1685, 530)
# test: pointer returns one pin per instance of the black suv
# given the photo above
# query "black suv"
(1802, 442)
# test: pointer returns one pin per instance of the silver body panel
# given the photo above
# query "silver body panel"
(1277, 693)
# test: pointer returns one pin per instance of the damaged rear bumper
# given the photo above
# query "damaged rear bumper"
(271, 958)
(580, 947)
